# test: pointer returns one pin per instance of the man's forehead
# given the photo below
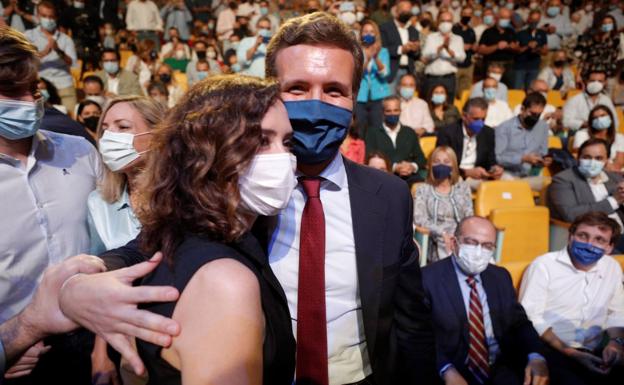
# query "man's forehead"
(315, 62)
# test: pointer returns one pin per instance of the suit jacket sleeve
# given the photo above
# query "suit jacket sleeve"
(443, 137)
(418, 156)
(391, 45)
(412, 314)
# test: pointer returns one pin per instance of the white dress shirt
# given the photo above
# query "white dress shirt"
(44, 212)
(469, 152)
(415, 114)
(392, 134)
(576, 110)
(600, 193)
(577, 305)
(225, 24)
(443, 63)
(143, 16)
(498, 112)
(404, 33)
(346, 342)
(112, 83)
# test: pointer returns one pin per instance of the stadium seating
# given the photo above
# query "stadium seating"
(515, 97)
(428, 144)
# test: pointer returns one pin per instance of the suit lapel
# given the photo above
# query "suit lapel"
(368, 217)
(454, 293)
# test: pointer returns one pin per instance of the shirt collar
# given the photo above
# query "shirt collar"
(334, 173)
(124, 200)
(602, 178)
(389, 130)
(37, 149)
(564, 258)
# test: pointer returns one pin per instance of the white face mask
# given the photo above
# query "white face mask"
(496, 76)
(445, 27)
(266, 186)
(594, 87)
(349, 18)
(472, 259)
(117, 149)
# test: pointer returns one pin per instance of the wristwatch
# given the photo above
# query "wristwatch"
(618, 340)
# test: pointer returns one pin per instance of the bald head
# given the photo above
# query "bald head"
(478, 228)
(539, 85)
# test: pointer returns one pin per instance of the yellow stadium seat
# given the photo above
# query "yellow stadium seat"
(428, 144)
(181, 79)
(515, 97)
(572, 93)
(555, 98)
(620, 116)
(555, 142)
(620, 259)
(574, 69)
(84, 75)
(75, 73)
(516, 269)
(124, 55)
(459, 103)
(502, 194)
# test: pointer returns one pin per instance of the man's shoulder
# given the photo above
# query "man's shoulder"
(362, 175)
(388, 26)
(566, 175)
(433, 271)
(66, 141)
(545, 261)
(450, 129)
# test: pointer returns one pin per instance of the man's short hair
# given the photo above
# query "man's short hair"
(478, 102)
(110, 50)
(594, 70)
(391, 98)
(93, 79)
(594, 142)
(533, 99)
(320, 29)
(599, 219)
(49, 5)
(19, 63)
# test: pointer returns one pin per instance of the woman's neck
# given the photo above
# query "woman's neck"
(443, 186)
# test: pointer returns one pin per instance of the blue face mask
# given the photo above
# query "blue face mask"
(438, 98)
(368, 39)
(489, 93)
(319, 129)
(19, 119)
(47, 24)
(111, 67)
(590, 167)
(585, 253)
(601, 123)
(476, 126)
(488, 19)
(606, 27)
(504, 23)
(236, 67)
(407, 92)
(266, 35)
(553, 11)
(264, 11)
(441, 171)
(391, 120)
(44, 94)
(201, 75)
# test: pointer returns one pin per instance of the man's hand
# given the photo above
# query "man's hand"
(496, 172)
(107, 305)
(588, 360)
(27, 361)
(502, 44)
(452, 377)
(532, 158)
(405, 168)
(477, 173)
(532, 44)
(536, 372)
(618, 194)
(547, 161)
(612, 354)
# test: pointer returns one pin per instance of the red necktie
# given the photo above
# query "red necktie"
(477, 347)
(311, 319)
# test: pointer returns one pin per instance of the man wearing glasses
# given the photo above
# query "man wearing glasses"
(482, 332)
(575, 299)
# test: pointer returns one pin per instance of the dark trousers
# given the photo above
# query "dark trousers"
(448, 81)
(369, 114)
(567, 371)
(523, 77)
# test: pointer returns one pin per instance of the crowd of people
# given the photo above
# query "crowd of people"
(204, 191)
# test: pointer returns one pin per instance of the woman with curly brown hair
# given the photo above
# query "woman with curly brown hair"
(220, 158)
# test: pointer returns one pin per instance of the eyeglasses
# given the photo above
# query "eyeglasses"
(473, 242)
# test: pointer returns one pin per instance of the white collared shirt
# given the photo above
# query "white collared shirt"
(404, 33)
(498, 112)
(392, 133)
(577, 305)
(44, 212)
(415, 114)
(143, 16)
(600, 192)
(469, 153)
(112, 83)
(346, 342)
(443, 63)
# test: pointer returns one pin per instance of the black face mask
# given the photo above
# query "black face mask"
(165, 78)
(559, 63)
(425, 23)
(404, 17)
(530, 121)
(201, 55)
(91, 122)
(464, 20)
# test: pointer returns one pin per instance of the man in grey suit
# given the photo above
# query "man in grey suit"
(587, 186)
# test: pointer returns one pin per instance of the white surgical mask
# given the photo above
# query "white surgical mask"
(349, 18)
(117, 149)
(496, 76)
(590, 167)
(594, 87)
(266, 186)
(445, 27)
(20, 119)
(472, 259)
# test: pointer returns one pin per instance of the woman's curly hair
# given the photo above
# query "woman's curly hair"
(190, 184)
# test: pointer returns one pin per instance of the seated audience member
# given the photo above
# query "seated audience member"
(601, 125)
(442, 110)
(551, 114)
(522, 143)
(159, 92)
(251, 52)
(93, 88)
(50, 95)
(498, 110)
(495, 71)
(353, 148)
(117, 81)
(414, 110)
(143, 62)
(575, 299)
(374, 86)
(483, 335)
(558, 75)
(88, 114)
(442, 201)
(175, 90)
(203, 69)
(202, 52)
(588, 186)
(576, 109)
(398, 142)
(473, 142)
(380, 161)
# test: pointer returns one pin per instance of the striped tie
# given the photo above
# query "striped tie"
(477, 347)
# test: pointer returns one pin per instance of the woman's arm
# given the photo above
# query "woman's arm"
(222, 327)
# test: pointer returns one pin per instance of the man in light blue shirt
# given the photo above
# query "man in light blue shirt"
(556, 24)
(495, 71)
(251, 52)
(522, 143)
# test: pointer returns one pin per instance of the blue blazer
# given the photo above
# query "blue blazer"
(374, 84)
(513, 330)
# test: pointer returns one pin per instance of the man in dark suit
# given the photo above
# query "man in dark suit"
(473, 143)
(574, 191)
(401, 40)
(368, 323)
(398, 142)
(482, 333)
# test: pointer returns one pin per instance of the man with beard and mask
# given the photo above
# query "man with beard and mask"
(401, 40)
(589, 186)
(346, 261)
(575, 299)
(465, 69)
(522, 143)
(483, 334)
(576, 109)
